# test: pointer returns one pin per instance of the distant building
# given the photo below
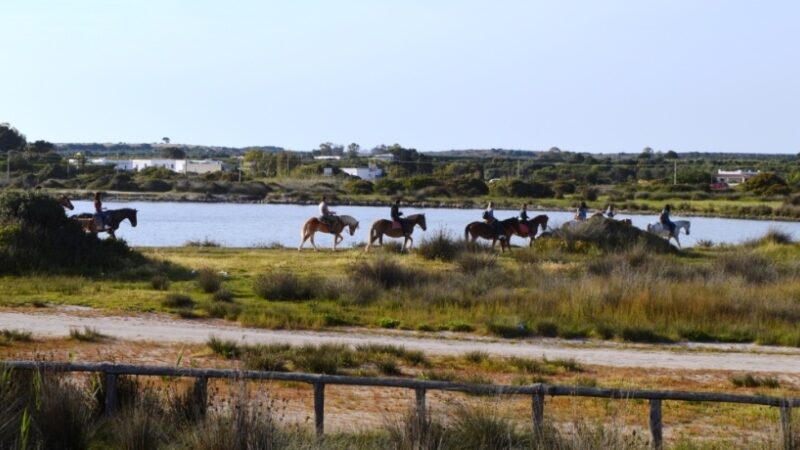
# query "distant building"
(327, 171)
(370, 173)
(327, 157)
(734, 177)
(175, 165)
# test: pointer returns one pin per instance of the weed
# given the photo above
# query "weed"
(476, 357)
(177, 301)
(88, 334)
(642, 334)
(386, 322)
(8, 336)
(385, 272)
(440, 246)
(208, 280)
(282, 286)
(159, 282)
(471, 263)
(205, 243)
(223, 294)
(752, 381)
(228, 349)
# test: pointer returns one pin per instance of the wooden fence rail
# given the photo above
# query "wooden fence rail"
(537, 391)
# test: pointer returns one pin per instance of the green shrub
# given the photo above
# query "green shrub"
(223, 295)
(440, 246)
(208, 280)
(283, 286)
(387, 322)
(88, 334)
(751, 381)
(159, 282)
(177, 301)
(385, 272)
(642, 334)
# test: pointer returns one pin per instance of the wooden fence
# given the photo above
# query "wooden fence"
(537, 392)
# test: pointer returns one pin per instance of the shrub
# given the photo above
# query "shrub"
(223, 295)
(385, 272)
(440, 246)
(88, 334)
(282, 286)
(387, 322)
(505, 330)
(159, 282)
(177, 301)
(471, 263)
(751, 381)
(208, 280)
(11, 336)
(641, 334)
(752, 267)
(205, 243)
(358, 186)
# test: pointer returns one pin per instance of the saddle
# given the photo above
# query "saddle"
(396, 225)
(524, 228)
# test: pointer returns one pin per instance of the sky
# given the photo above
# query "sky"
(589, 76)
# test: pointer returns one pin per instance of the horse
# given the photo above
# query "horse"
(64, 201)
(114, 218)
(313, 225)
(662, 230)
(383, 227)
(483, 230)
(529, 229)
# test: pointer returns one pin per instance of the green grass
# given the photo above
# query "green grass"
(717, 294)
(88, 334)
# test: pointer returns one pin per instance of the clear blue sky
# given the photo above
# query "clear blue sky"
(596, 76)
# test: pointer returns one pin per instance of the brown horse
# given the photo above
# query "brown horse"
(313, 225)
(383, 227)
(64, 201)
(529, 230)
(483, 230)
(92, 224)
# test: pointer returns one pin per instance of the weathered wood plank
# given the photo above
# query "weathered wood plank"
(319, 408)
(786, 427)
(656, 433)
(537, 414)
(110, 393)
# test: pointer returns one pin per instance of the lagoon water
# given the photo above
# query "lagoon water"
(167, 224)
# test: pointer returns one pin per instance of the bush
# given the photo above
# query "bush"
(36, 236)
(358, 187)
(223, 295)
(388, 186)
(641, 334)
(440, 246)
(283, 286)
(472, 263)
(385, 272)
(159, 282)
(177, 301)
(208, 280)
(470, 187)
(88, 334)
(752, 267)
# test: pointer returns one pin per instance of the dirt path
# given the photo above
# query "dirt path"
(163, 328)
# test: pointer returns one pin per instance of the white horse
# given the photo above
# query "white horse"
(313, 225)
(663, 231)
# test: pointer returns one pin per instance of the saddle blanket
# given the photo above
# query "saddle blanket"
(396, 225)
(524, 229)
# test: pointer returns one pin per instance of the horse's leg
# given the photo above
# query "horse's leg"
(313, 243)
(410, 242)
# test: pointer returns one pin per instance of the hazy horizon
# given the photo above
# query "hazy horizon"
(598, 77)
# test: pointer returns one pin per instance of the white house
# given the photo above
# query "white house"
(175, 165)
(370, 173)
(734, 177)
(327, 157)
(383, 157)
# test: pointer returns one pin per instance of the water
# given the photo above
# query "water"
(165, 224)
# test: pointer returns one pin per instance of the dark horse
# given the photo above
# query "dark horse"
(476, 230)
(383, 227)
(529, 229)
(90, 223)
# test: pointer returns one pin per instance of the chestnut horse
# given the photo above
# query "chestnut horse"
(476, 230)
(64, 201)
(313, 225)
(383, 227)
(530, 229)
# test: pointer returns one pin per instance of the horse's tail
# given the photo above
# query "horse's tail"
(304, 229)
(466, 232)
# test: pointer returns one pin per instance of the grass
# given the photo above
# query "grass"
(87, 334)
(720, 294)
(752, 381)
(10, 336)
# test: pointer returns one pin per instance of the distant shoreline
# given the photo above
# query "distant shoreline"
(190, 197)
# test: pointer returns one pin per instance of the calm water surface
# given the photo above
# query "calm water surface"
(166, 224)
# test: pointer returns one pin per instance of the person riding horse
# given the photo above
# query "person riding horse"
(395, 215)
(488, 216)
(523, 217)
(326, 216)
(580, 215)
(665, 220)
(100, 216)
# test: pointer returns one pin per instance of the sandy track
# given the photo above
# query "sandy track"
(152, 327)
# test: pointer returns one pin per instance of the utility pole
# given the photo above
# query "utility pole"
(675, 173)
(517, 168)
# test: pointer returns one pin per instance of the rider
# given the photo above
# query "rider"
(488, 216)
(610, 213)
(665, 220)
(100, 216)
(580, 215)
(326, 216)
(396, 213)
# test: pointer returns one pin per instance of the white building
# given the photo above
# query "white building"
(383, 157)
(175, 165)
(327, 157)
(370, 173)
(734, 177)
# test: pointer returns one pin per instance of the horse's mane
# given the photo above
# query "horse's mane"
(348, 220)
(415, 216)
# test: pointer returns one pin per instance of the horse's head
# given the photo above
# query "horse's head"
(65, 202)
(543, 222)
(421, 222)
(687, 228)
(352, 228)
(132, 217)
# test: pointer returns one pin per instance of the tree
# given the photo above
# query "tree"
(671, 155)
(647, 153)
(10, 138)
(165, 139)
(352, 150)
(41, 147)
(173, 153)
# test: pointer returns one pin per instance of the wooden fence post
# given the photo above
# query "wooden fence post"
(421, 413)
(319, 408)
(110, 393)
(655, 424)
(537, 406)
(786, 426)
(201, 395)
